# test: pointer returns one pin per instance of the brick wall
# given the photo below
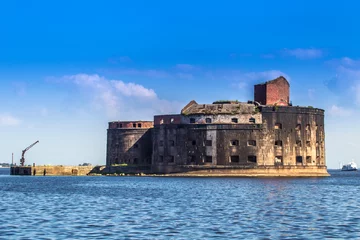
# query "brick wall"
(167, 119)
(273, 92)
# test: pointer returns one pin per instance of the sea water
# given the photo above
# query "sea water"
(38, 207)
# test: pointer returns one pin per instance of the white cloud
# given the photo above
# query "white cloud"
(8, 120)
(121, 99)
(337, 111)
(303, 53)
(132, 89)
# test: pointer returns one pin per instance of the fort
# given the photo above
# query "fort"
(266, 136)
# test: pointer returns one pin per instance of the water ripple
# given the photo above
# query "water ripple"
(180, 208)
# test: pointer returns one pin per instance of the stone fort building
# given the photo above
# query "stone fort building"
(264, 137)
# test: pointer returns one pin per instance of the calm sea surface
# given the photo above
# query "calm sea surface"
(179, 208)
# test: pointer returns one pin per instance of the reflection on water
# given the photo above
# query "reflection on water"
(180, 208)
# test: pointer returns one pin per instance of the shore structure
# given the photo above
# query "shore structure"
(267, 136)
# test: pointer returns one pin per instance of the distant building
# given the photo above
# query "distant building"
(264, 137)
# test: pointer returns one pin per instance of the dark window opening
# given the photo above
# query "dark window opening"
(161, 143)
(234, 143)
(252, 159)
(298, 143)
(308, 143)
(135, 161)
(299, 159)
(235, 159)
(278, 126)
(278, 160)
(171, 159)
(234, 120)
(161, 158)
(193, 142)
(192, 159)
(136, 145)
(278, 143)
(139, 125)
(251, 143)
(208, 120)
(120, 125)
(192, 120)
(172, 143)
(208, 143)
(308, 159)
(116, 160)
(208, 159)
(298, 127)
(134, 125)
(252, 120)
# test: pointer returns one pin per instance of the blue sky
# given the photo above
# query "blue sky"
(69, 67)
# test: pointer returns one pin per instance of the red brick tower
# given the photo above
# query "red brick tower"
(274, 92)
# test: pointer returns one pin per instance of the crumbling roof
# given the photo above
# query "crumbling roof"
(194, 108)
(280, 78)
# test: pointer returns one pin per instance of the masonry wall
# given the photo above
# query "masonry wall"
(129, 143)
(277, 92)
(277, 141)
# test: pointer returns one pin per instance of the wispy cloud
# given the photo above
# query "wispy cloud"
(337, 111)
(121, 99)
(8, 120)
(304, 53)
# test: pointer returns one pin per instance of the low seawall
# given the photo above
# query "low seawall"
(52, 170)
(239, 171)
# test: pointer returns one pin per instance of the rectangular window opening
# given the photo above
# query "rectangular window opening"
(308, 143)
(234, 120)
(278, 160)
(234, 143)
(139, 125)
(208, 120)
(192, 159)
(298, 143)
(134, 125)
(234, 159)
(208, 159)
(171, 159)
(278, 143)
(172, 143)
(192, 120)
(308, 159)
(208, 143)
(278, 126)
(252, 159)
(251, 143)
(193, 142)
(299, 159)
(298, 127)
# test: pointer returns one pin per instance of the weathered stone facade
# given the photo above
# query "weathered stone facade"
(267, 136)
(129, 142)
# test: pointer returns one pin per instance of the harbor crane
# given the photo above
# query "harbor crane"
(22, 160)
